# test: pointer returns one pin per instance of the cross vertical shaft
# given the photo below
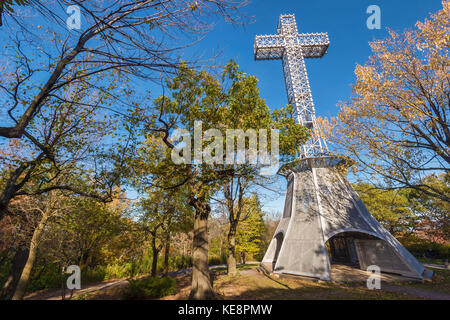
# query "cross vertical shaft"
(292, 48)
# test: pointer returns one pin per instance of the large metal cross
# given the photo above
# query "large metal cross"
(293, 48)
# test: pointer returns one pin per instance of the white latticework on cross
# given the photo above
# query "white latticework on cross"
(293, 48)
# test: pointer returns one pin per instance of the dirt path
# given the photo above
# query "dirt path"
(421, 293)
(436, 266)
(85, 289)
(99, 287)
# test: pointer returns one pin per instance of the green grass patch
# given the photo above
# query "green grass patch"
(431, 261)
(151, 287)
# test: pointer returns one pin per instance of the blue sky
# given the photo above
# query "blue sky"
(331, 76)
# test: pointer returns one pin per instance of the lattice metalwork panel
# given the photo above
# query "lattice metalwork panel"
(293, 48)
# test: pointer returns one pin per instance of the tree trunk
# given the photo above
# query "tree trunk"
(155, 257)
(19, 261)
(26, 272)
(201, 282)
(232, 249)
(166, 254)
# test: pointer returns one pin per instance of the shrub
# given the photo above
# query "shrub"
(425, 249)
(95, 274)
(437, 250)
(216, 260)
(152, 287)
(117, 271)
(180, 262)
(46, 277)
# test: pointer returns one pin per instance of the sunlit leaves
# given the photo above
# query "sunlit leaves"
(396, 125)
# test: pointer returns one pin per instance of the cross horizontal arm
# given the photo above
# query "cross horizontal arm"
(311, 39)
(269, 47)
(314, 45)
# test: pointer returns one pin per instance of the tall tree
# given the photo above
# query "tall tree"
(163, 213)
(247, 111)
(396, 126)
(68, 77)
(16, 230)
(198, 99)
(116, 36)
(251, 231)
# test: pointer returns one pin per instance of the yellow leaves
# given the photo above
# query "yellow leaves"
(326, 127)
(435, 33)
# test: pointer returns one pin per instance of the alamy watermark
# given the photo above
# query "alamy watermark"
(74, 20)
(73, 281)
(374, 20)
(374, 280)
(251, 147)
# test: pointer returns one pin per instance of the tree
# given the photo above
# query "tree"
(46, 208)
(197, 97)
(251, 230)
(83, 71)
(163, 213)
(6, 6)
(16, 231)
(53, 96)
(115, 35)
(64, 139)
(392, 208)
(46, 9)
(396, 127)
(433, 212)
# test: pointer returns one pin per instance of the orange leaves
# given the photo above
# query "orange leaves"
(326, 127)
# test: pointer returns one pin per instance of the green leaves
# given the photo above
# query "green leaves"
(392, 208)
(250, 231)
(229, 102)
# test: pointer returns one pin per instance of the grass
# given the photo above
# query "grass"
(431, 261)
(239, 267)
(260, 287)
(439, 283)
(151, 287)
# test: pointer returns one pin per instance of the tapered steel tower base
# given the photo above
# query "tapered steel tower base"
(320, 207)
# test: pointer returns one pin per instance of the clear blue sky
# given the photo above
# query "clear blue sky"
(331, 76)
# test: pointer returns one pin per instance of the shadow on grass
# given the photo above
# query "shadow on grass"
(259, 287)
